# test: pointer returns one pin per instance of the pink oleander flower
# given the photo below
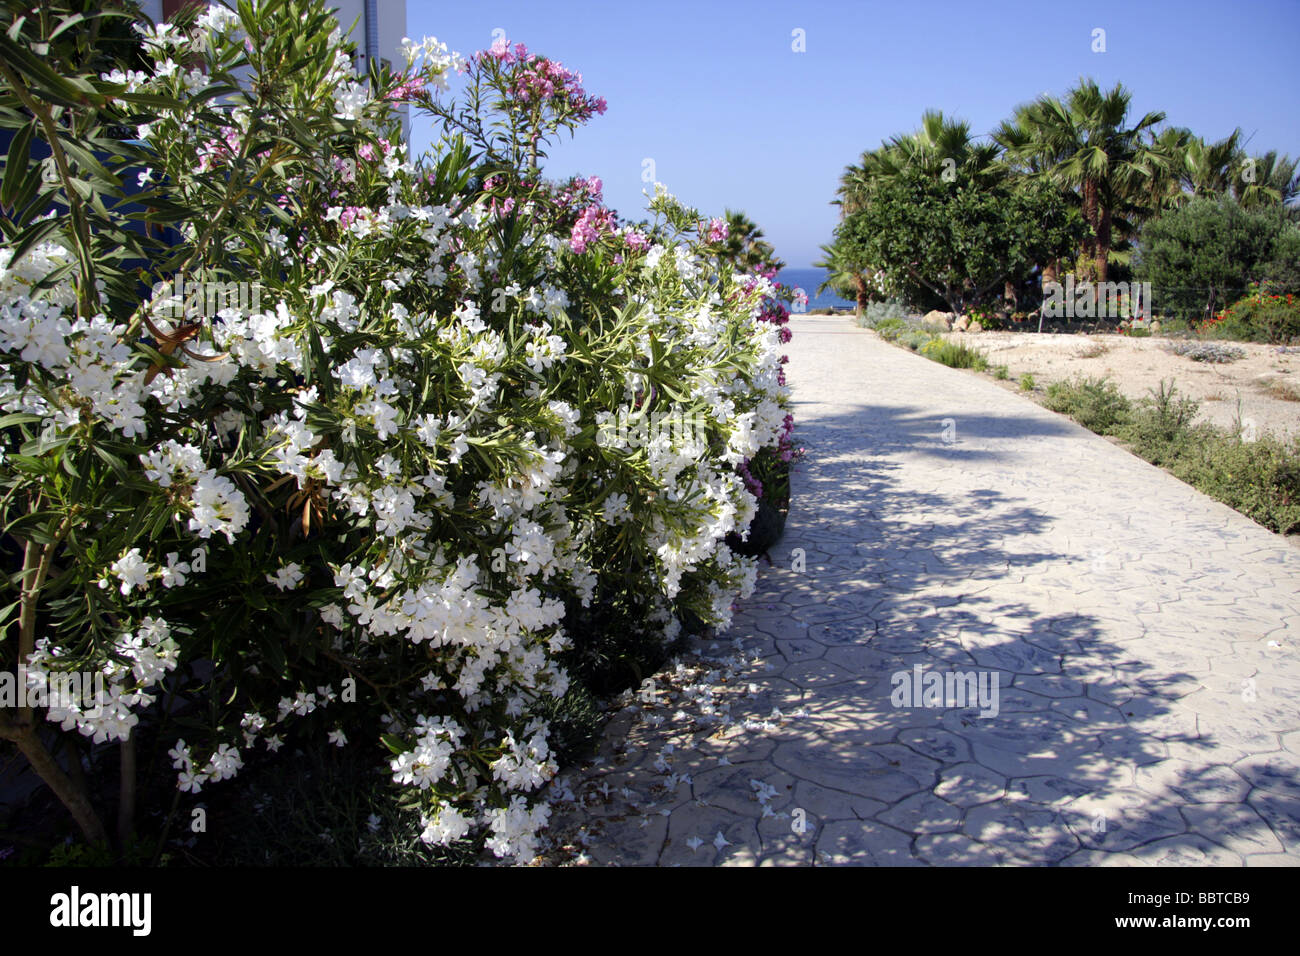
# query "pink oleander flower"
(591, 223)
(409, 88)
(636, 240)
(718, 230)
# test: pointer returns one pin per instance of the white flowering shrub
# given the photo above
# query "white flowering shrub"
(317, 438)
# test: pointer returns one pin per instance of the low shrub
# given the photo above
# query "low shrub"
(1001, 372)
(914, 339)
(1095, 403)
(1259, 317)
(1027, 383)
(1285, 391)
(1211, 352)
(1260, 479)
(888, 328)
(1157, 425)
(877, 312)
(954, 354)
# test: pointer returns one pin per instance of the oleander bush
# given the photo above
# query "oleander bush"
(455, 413)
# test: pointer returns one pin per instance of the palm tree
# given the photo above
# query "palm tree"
(941, 147)
(1165, 186)
(745, 245)
(1208, 167)
(845, 278)
(1268, 179)
(1084, 143)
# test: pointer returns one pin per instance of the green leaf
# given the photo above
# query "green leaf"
(16, 162)
(18, 418)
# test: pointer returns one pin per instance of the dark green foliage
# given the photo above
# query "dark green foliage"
(1207, 253)
(958, 237)
(317, 807)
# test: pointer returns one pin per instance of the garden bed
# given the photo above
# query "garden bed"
(1263, 376)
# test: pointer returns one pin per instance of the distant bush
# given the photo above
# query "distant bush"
(1027, 383)
(1095, 403)
(1211, 352)
(888, 327)
(954, 354)
(914, 339)
(1206, 254)
(878, 312)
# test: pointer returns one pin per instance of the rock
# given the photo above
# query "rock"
(961, 323)
(934, 317)
(1155, 325)
(974, 327)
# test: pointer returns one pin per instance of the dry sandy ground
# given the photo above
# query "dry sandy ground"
(1138, 365)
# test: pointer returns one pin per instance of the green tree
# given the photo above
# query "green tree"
(1085, 143)
(940, 147)
(958, 240)
(745, 246)
(847, 276)
(1205, 254)
(1268, 179)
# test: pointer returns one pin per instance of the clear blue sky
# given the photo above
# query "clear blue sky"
(732, 116)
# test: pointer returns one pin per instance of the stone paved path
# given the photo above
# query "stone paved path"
(1144, 640)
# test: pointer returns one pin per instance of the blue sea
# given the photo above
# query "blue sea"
(809, 280)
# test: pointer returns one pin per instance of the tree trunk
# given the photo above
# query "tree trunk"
(1101, 257)
(861, 285)
(126, 794)
(1090, 216)
(28, 739)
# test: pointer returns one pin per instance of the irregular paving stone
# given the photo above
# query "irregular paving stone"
(824, 804)
(1188, 849)
(1147, 658)
(1033, 834)
(922, 813)
(863, 843)
(969, 784)
(1234, 824)
(1120, 819)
